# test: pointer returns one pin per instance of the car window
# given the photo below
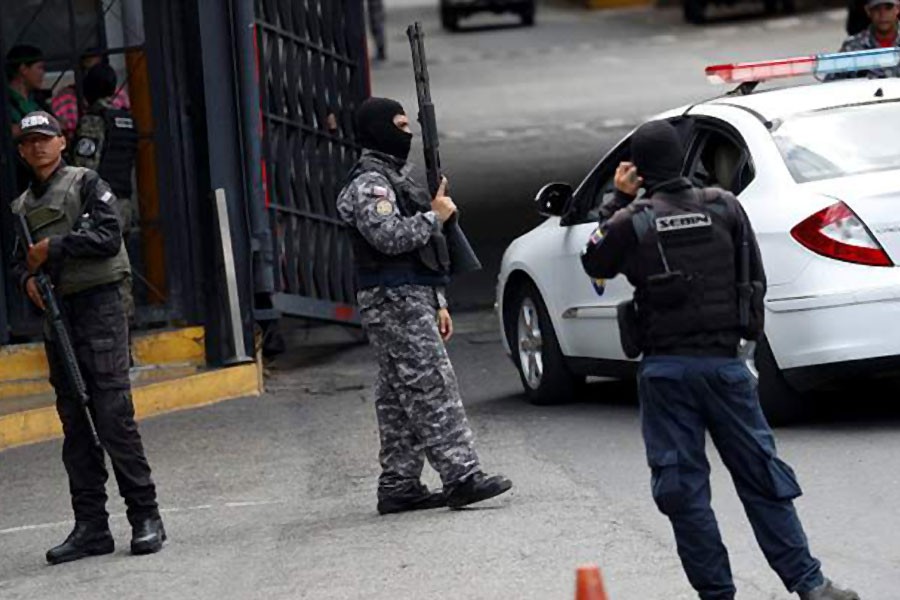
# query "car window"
(599, 186)
(718, 159)
(839, 142)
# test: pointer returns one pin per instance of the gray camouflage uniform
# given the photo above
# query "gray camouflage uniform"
(865, 40)
(417, 399)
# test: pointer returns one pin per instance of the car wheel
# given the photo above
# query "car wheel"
(695, 11)
(781, 403)
(789, 7)
(536, 353)
(449, 19)
(771, 6)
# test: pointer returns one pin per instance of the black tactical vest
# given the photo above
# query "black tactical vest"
(107, 141)
(426, 266)
(685, 269)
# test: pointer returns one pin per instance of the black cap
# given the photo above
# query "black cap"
(39, 122)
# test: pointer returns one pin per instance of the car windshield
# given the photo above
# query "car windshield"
(841, 142)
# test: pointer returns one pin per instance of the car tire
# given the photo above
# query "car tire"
(788, 7)
(449, 19)
(781, 403)
(535, 350)
(695, 11)
(771, 6)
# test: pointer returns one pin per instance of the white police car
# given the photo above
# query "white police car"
(817, 169)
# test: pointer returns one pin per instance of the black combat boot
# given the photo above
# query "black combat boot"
(475, 488)
(147, 536)
(829, 591)
(87, 539)
(420, 499)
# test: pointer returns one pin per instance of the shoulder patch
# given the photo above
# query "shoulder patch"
(384, 208)
(124, 123)
(379, 191)
(105, 198)
(86, 147)
(596, 236)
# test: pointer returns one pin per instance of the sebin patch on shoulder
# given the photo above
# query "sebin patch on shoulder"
(681, 222)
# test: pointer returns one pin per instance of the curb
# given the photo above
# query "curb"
(193, 391)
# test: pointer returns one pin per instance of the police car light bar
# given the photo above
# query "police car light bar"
(817, 64)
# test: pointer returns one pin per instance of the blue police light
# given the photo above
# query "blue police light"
(817, 64)
(862, 60)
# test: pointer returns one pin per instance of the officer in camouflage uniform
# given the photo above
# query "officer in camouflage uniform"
(882, 33)
(396, 229)
(78, 241)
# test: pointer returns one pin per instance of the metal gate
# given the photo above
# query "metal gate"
(313, 66)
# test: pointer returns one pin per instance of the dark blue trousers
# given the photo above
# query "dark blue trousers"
(681, 399)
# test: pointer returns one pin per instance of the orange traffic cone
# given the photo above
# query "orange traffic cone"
(589, 584)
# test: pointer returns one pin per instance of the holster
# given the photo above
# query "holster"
(629, 329)
(752, 309)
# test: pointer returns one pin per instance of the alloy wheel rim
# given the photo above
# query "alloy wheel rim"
(530, 344)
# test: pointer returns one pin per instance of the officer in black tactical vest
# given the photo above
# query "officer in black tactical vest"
(693, 260)
(78, 242)
(403, 263)
(106, 141)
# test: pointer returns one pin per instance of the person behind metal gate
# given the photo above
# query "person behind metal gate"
(699, 282)
(106, 141)
(883, 31)
(396, 229)
(375, 8)
(78, 241)
(25, 69)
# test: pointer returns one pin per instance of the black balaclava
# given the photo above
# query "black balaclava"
(375, 124)
(100, 82)
(658, 154)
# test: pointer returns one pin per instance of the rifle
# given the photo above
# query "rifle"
(462, 258)
(60, 335)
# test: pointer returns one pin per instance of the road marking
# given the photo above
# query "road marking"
(664, 39)
(785, 23)
(165, 511)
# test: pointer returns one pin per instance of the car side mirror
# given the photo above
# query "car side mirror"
(553, 199)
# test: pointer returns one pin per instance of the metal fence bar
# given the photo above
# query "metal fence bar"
(313, 75)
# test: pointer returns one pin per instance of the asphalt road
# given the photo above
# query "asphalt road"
(520, 107)
(275, 498)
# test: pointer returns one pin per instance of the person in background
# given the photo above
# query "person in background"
(882, 32)
(65, 103)
(25, 69)
(376, 24)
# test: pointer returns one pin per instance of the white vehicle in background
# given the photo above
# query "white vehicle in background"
(817, 169)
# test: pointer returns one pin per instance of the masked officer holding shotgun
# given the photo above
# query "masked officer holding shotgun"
(71, 215)
(398, 245)
(699, 286)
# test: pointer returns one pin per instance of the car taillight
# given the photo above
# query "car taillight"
(836, 232)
